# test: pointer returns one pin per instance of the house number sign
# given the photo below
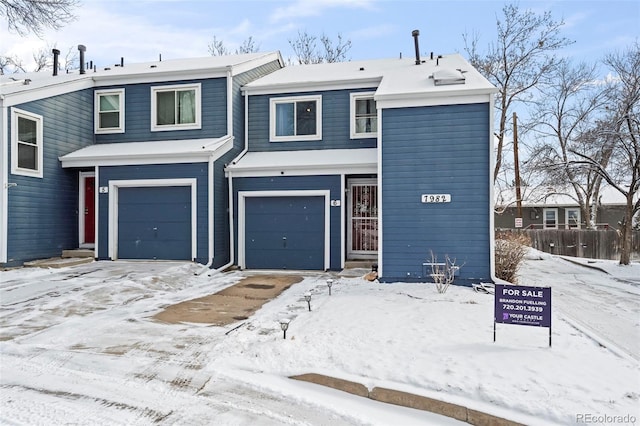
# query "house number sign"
(436, 198)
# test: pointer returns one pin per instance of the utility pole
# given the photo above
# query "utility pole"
(517, 170)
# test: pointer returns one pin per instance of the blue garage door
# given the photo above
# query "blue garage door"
(284, 233)
(154, 223)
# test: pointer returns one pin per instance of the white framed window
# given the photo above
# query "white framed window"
(26, 143)
(550, 218)
(572, 217)
(176, 107)
(109, 111)
(295, 118)
(364, 116)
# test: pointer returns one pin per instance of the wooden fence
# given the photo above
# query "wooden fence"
(593, 244)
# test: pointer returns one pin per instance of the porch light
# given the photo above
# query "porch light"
(284, 325)
(329, 284)
(307, 297)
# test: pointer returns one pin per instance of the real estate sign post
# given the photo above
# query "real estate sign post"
(522, 305)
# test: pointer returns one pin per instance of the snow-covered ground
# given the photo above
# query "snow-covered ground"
(78, 346)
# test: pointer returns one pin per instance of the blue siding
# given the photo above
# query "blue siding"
(282, 183)
(335, 123)
(439, 149)
(168, 171)
(43, 213)
(137, 108)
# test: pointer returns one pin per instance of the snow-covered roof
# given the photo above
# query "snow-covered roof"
(551, 197)
(306, 162)
(156, 152)
(164, 70)
(393, 77)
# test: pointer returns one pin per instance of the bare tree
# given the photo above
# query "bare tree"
(42, 59)
(218, 48)
(622, 131)
(517, 61)
(564, 110)
(307, 52)
(25, 16)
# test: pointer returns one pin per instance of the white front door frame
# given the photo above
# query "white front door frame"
(351, 254)
(81, 203)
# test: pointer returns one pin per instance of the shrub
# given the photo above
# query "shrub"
(510, 250)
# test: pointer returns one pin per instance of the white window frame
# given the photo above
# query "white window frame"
(292, 99)
(96, 125)
(155, 127)
(569, 225)
(38, 172)
(353, 98)
(544, 218)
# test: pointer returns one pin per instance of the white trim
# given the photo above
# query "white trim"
(424, 99)
(4, 176)
(379, 171)
(82, 178)
(278, 89)
(491, 230)
(96, 108)
(343, 242)
(294, 99)
(96, 171)
(307, 170)
(197, 87)
(242, 195)
(114, 185)
(544, 218)
(353, 97)
(55, 89)
(38, 172)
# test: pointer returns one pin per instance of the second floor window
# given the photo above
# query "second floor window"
(27, 141)
(175, 107)
(364, 116)
(109, 111)
(296, 119)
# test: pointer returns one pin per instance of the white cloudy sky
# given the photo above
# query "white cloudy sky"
(140, 30)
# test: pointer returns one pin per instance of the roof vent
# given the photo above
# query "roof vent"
(444, 77)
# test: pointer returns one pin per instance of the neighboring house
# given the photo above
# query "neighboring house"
(555, 210)
(237, 160)
(126, 159)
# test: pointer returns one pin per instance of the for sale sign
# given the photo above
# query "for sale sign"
(516, 304)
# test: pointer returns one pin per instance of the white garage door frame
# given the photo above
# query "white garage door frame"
(115, 185)
(243, 195)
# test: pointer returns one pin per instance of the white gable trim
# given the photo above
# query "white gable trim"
(424, 99)
(48, 91)
(312, 87)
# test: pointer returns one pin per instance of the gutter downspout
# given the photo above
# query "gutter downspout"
(4, 182)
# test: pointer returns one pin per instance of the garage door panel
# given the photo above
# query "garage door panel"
(284, 232)
(154, 223)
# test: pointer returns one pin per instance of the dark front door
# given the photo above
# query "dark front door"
(284, 232)
(89, 210)
(154, 223)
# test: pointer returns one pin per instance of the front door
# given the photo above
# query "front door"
(88, 211)
(363, 219)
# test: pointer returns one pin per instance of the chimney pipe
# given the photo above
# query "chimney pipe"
(415, 34)
(56, 53)
(82, 49)
(122, 61)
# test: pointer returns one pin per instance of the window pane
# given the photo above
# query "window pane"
(27, 130)
(365, 106)
(27, 156)
(109, 120)
(366, 116)
(109, 103)
(306, 118)
(366, 125)
(186, 106)
(284, 119)
(550, 218)
(165, 108)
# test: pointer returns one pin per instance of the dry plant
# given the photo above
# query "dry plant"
(510, 250)
(443, 274)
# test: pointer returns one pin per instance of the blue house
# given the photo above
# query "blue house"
(241, 161)
(385, 160)
(127, 160)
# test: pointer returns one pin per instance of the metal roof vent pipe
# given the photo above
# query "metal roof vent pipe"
(415, 34)
(82, 49)
(56, 54)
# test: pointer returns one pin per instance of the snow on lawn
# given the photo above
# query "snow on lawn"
(93, 322)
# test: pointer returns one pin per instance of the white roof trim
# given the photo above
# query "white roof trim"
(154, 152)
(365, 83)
(306, 162)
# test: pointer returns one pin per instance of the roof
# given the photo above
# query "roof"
(392, 77)
(306, 162)
(550, 197)
(211, 66)
(156, 152)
